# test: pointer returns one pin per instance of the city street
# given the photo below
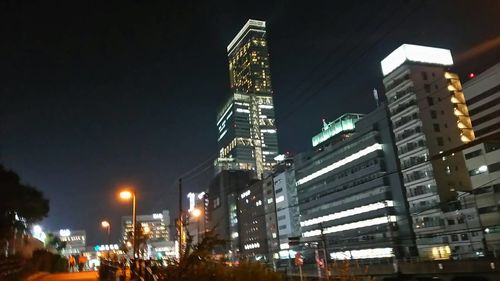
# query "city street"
(77, 276)
(261, 141)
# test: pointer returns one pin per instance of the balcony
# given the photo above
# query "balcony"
(417, 175)
(397, 82)
(411, 146)
(421, 190)
(401, 94)
(408, 133)
(405, 120)
(403, 107)
(422, 208)
(413, 161)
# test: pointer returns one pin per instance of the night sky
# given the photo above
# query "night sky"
(95, 94)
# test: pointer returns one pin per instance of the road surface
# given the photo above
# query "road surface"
(72, 276)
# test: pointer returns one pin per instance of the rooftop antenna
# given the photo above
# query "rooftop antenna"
(325, 125)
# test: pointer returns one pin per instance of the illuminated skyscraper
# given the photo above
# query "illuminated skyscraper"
(247, 132)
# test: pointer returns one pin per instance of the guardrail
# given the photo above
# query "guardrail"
(136, 270)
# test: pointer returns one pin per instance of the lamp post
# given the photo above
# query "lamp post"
(107, 225)
(127, 195)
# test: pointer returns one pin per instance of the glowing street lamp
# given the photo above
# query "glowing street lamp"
(127, 195)
(107, 225)
(196, 213)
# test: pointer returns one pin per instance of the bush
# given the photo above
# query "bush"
(46, 261)
(198, 264)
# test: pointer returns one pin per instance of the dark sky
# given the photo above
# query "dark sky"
(95, 94)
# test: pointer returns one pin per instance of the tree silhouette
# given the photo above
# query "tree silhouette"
(198, 263)
(20, 205)
(52, 241)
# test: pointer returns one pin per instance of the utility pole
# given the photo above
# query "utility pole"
(323, 242)
(394, 258)
(180, 221)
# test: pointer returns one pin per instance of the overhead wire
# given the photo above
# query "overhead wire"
(211, 158)
(406, 168)
(348, 66)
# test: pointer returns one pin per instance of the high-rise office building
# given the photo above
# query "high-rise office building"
(285, 204)
(247, 136)
(350, 192)
(156, 226)
(482, 94)
(223, 209)
(197, 216)
(252, 221)
(429, 116)
(75, 241)
(271, 219)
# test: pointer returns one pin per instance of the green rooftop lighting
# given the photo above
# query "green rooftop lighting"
(346, 122)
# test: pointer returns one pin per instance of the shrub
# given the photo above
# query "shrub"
(46, 261)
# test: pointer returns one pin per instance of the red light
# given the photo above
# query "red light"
(472, 75)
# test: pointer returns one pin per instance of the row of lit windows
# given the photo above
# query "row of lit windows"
(351, 226)
(347, 213)
(340, 163)
(335, 203)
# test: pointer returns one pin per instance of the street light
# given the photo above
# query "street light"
(107, 225)
(127, 195)
(196, 213)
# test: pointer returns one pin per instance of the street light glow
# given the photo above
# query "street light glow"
(105, 224)
(196, 213)
(125, 195)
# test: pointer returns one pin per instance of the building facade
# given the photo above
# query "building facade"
(76, 241)
(197, 215)
(247, 136)
(270, 218)
(429, 116)
(156, 226)
(222, 209)
(351, 196)
(482, 94)
(252, 223)
(286, 204)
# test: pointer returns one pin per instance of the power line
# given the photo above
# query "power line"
(286, 115)
(357, 30)
(349, 66)
(396, 171)
(406, 237)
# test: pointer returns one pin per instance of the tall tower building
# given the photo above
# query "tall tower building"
(429, 117)
(247, 136)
